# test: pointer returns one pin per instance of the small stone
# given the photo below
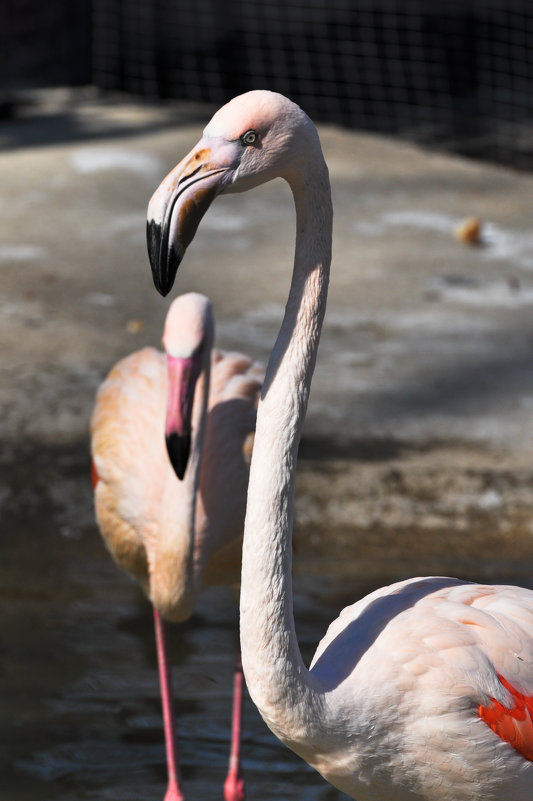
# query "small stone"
(134, 326)
(469, 231)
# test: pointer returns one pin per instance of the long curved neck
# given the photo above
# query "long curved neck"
(277, 679)
(173, 584)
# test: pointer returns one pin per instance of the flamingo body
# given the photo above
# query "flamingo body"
(172, 535)
(138, 496)
(417, 660)
(422, 691)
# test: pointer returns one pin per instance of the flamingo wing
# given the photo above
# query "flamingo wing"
(128, 453)
(445, 645)
(508, 645)
(235, 375)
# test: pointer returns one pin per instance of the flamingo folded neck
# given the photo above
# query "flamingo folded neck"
(171, 555)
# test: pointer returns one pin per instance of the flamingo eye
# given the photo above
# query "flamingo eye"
(249, 137)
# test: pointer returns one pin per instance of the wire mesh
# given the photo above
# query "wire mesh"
(44, 44)
(453, 74)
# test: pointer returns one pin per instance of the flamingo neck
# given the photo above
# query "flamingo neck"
(173, 579)
(277, 679)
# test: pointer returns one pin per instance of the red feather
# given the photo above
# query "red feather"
(514, 725)
(95, 478)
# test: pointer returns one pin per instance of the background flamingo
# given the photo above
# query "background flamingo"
(423, 689)
(163, 531)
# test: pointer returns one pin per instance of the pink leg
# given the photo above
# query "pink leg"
(174, 789)
(234, 784)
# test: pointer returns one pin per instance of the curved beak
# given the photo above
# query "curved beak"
(180, 202)
(182, 374)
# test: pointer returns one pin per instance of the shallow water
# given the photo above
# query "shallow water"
(80, 699)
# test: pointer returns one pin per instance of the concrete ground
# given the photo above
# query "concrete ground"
(421, 413)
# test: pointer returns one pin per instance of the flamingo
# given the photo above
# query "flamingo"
(422, 689)
(175, 534)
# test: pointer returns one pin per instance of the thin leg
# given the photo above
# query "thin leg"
(174, 789)
(234, 784)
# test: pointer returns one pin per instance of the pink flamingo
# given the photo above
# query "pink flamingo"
(175, 535)
(423, 689)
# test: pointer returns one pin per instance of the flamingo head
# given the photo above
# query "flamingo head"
(187, 339)
(254, 138)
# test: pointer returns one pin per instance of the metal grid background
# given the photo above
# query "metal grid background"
(44, 44)
(458, 75)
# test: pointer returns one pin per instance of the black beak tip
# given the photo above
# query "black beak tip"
(178, 449)
(164, 260)
(161, 288)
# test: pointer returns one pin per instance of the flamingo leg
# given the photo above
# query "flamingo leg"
(234, 784)
(174, 789)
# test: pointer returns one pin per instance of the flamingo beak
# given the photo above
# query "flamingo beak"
(180, 202)
(182, 374)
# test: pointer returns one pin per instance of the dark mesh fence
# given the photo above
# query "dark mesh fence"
(44, 43)
(455, 74)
